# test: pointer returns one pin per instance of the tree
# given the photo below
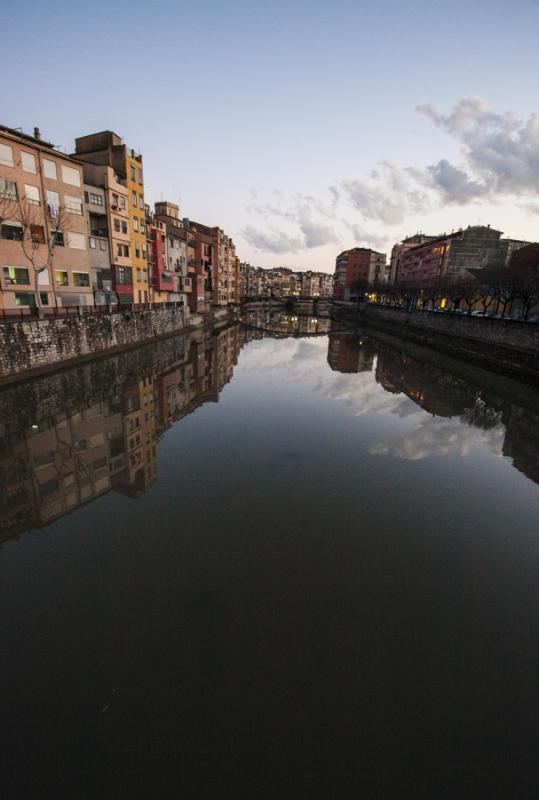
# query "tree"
(39, 230)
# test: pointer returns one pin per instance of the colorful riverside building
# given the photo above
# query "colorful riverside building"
(359, 265)
(129, 256)
(42, 207)
(216, 260)
(449, 256)
(175, 279)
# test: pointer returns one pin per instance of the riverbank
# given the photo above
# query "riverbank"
(37, 347)
(510, 347)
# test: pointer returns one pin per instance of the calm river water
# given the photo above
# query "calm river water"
(295, 567)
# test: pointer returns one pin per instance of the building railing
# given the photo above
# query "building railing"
(52, 312)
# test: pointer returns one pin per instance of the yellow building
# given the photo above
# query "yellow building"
(107, 148)
(137, 225)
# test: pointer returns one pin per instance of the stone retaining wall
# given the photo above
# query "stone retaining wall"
(509, 346)
(35, 346)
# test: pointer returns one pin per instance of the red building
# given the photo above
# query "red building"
(162, 277)
(356, 266)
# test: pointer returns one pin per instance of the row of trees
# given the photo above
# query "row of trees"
(501, 292)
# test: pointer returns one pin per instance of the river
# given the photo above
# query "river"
(298, 562)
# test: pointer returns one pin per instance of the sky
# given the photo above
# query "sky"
(300, 127)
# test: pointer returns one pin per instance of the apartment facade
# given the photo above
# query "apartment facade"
(402, 247)
(449, 256)
(177, 252)
(359, 265)
(42, 213)
(107, 150)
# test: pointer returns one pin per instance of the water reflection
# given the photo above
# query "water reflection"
(441, 393)
(70, 438)
(55, 460)
(313, 595)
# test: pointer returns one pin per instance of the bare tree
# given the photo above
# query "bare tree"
(38, 230)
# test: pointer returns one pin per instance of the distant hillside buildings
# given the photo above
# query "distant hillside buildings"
(256, 282)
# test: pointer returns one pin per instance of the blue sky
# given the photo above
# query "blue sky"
(294, 125)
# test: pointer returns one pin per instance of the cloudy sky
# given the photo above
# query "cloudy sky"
(301, 127)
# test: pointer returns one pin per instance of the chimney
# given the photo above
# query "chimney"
(37, 133)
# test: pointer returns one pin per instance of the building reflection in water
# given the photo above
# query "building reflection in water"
(69, 438)
(443, 394)
(53, 461)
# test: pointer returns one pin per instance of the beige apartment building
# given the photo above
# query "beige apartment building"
(118, 220)
(42, 212)
(106, 149)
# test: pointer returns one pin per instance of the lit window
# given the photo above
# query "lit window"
(61, 278)
(16, 275)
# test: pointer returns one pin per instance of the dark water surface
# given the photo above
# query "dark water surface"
(324, 585)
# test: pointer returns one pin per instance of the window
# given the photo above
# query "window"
(133, 173)
(43, 278)
(124, 226)
(16, 275)
(123, 250)
(124, 275)
(96, 199)
(73, 204)
(61, 278)
(142, 226)
(81, 279)
(135, 223)
(37, 233)
(115, 200)
(6, 155)
(144, 251)
(116, 224)
(10, 229)
(137, 250)
(28, 162)
(76, 240)
(140, 174)
(25, 299)
(92, 243)
(53, 203)
(141, 201)
(32, 194)
(134, 199)
(121, 201)
(49, 169)
(44, 297)
(58, 239)
(8, 189)
(70, 175)
(102, 245)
